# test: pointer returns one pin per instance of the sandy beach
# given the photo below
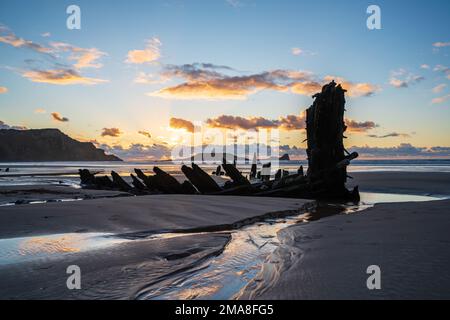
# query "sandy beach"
(327, 259)
(134, 247)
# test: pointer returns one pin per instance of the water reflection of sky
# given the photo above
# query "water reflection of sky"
(241, 261)
(17, 250)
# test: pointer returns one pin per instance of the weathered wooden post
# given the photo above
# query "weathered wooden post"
(327, 159)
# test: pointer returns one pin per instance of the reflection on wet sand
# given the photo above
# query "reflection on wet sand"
(220, 276)
(226, 275)
(198, 292)
(33, 246)
(17, 250)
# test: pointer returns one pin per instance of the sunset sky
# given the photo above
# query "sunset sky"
(138, 74)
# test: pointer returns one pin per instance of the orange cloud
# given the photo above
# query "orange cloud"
(149, 54)
(57, 117)
(8, 37)
(307, 88)
(207, 84)
(3, 90)
(403, 79)
(204, 81)
(440, 99)
(359, 127)
(111, 132)
(363, 89)
(145, 133)
(177, 123)
(288, 123)
(213, 90)
(85, 58)
(60, 77)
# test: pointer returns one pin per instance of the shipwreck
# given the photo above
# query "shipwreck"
(325, 178)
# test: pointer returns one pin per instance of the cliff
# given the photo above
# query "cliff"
(47, 145)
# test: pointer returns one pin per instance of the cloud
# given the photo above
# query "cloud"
(145, 133)
(296, 51)
(111, 132)
(3, 90)
(139, 152)
(4, 126)
(60, 77)
(151, 53)
(307, 88)
(205, 81)
(62, 68)
(57, 117)
(440, 99)
(441, 44)
(148, 78)
(213, 90)
(443, 69)
(46, 34)
(439, 88)
(404, 150)
(40, 111)
(390, 135)
(8, 37)
(177, 123)
(403, 79)
(83, 57)
(359, 127)
(424, 66)
(288, 123)
(363, 89)
(195, 71)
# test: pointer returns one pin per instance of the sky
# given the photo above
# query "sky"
(139, 76)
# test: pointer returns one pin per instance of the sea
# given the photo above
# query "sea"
(66, 173)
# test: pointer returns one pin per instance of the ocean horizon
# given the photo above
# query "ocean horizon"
(33, 173)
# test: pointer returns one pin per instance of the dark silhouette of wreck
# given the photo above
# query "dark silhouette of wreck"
(325, 178)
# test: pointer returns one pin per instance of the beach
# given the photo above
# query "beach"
(228, 247)
(328, 259)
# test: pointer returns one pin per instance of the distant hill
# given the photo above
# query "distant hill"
(285, 157)
(47, 145)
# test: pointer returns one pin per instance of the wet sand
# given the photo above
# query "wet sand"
(328, 259)
(30, 193)
(119, 272)
(153, 213)
(324, 259)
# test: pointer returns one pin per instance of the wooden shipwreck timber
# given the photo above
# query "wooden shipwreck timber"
(325, 178)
